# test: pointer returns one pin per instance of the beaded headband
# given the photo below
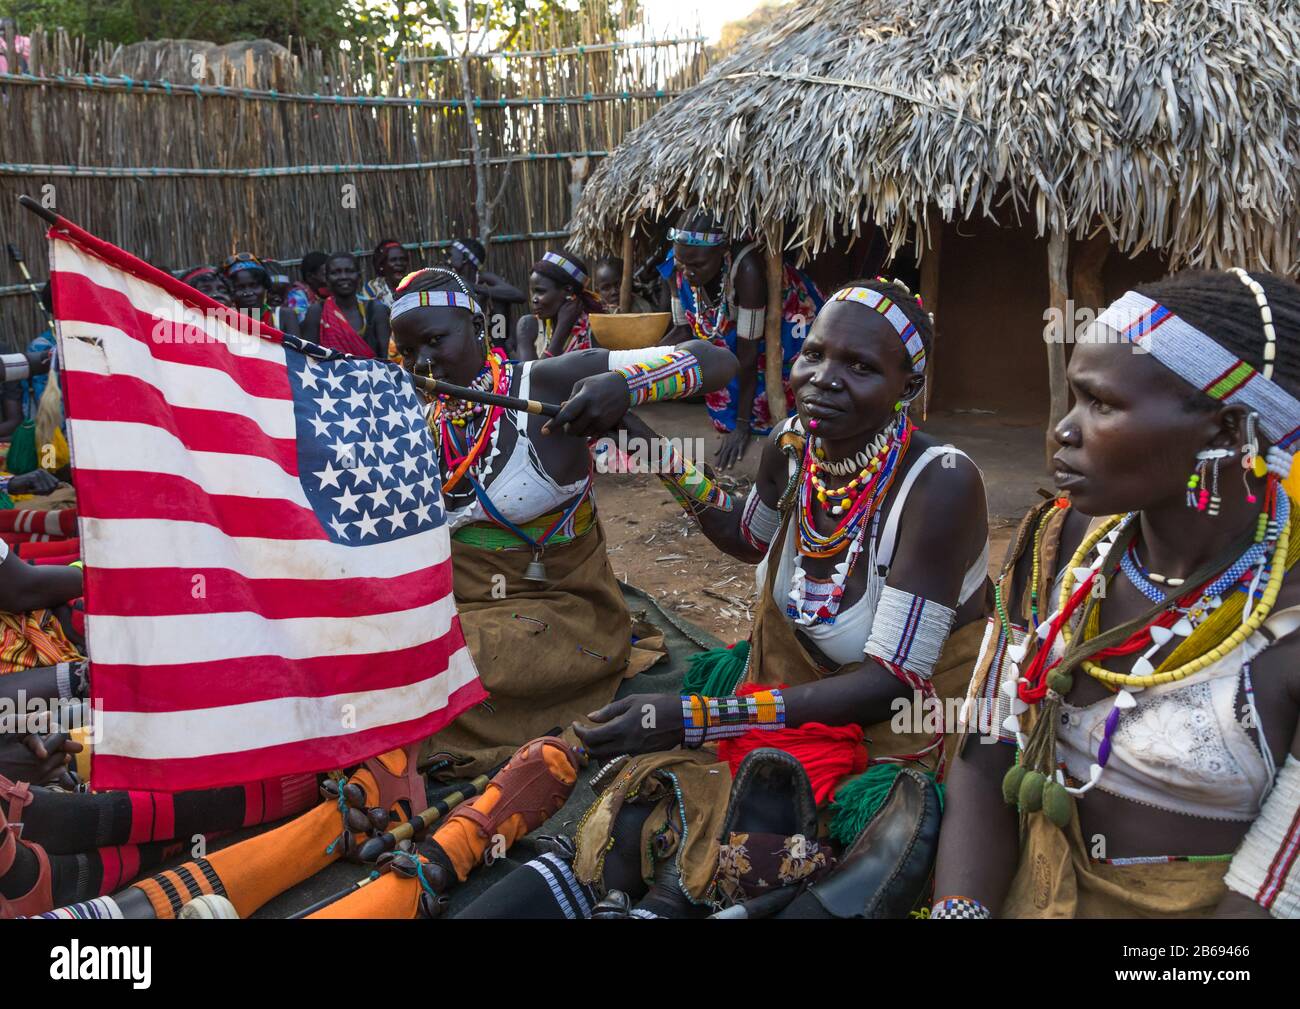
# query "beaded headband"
(568, 266)
(1199, 361)
(696, 237)
(466, 252)
(433, 299)
(894, 315)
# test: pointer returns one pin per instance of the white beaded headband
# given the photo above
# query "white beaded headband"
(1212, 368)
(466, 252)
(894, 315)
(696, 237)
(433, 299)
(569, 267)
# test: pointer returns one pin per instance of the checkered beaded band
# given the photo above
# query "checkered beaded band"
(894, 315)
(959, 907)
(1199, 361)
(707, 719)
(433, 299)
(466, 252)
(696, 237)
(567, 265)
(666, 376)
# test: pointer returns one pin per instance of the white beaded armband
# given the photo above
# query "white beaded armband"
(749, 323)
(758, 522)
(16, 367)
(679, 312)
(645, 357)
(909, 631)
(1266, 868)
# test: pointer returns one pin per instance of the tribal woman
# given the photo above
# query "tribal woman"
(467, 257)
(210, 281)
(343, 321)
(1142, 671)
(390, 263)
(541, 611)
(873, 545)
(561, 302)
(250, 285)
(720, 295)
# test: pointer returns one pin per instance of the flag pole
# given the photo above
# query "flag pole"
(432, 385)
(38, 210)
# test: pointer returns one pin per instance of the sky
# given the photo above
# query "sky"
(672, 16)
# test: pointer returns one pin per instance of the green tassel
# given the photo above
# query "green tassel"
(858, 800)
(22, 449)
(715, 673)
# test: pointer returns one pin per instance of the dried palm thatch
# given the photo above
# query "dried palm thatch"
(1171, 125)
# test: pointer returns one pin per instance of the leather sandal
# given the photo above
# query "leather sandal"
(885, 871)
(527, 786)
(40, 897)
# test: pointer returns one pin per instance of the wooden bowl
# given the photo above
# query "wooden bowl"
(629, 332)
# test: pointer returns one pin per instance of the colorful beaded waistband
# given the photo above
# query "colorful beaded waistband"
(489, 536)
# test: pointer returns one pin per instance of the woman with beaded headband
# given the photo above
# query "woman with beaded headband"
(1141, 669)
(873, 545)
(250, 285)
(719, 293)
(468, 258)
(520, 506)
(561, 302)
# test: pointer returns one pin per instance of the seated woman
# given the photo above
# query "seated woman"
(538, 602)
(557, 290)
(250, 285)
(343, 321)
(1142, 671)
(720, 295)
(874, 543)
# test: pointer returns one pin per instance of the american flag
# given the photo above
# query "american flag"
(268, 573)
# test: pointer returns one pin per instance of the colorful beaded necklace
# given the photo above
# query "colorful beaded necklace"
(455, 422)
(1028, 783)
(850, 533)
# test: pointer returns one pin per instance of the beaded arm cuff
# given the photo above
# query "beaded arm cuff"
(958, 907)
(688, 485)
(706, 719)
(909, 631)
(673, 375)
(15, 367)
(1265, 867)
(749, 323)
(758, 522)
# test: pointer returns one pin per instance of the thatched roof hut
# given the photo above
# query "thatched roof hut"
(1166, 126)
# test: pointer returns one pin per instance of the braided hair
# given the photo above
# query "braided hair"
(1222, 307)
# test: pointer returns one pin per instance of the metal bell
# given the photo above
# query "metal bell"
(536, 570)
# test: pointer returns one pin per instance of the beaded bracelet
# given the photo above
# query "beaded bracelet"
(673, 376)
(959, 907)
(688, 486)
(707, 719)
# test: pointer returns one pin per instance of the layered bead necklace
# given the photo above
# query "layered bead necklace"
(856, 504)
(704, 329)
(467, 432)
(1036, 781)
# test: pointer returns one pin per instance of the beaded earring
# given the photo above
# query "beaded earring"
(1203, 484)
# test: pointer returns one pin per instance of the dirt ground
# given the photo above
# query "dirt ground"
(654, 546)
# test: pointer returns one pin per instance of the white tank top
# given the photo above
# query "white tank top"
(520, 487)
(845, 640)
